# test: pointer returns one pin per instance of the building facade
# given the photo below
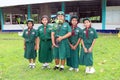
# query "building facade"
(105, 14)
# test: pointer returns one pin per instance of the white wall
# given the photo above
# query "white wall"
(18, 27)
(21, 26)
(113, 15)
(97, 26)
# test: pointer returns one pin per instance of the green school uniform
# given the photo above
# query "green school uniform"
(87, 58)
(62, 51)
(30, 52)
(73, 60)
(45, 46)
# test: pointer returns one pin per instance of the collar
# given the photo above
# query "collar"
(73, 27)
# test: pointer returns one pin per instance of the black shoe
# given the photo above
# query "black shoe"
(61, 69)
(56, 68)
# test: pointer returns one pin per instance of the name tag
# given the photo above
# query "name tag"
(50, 28)
(41, 30)
(84, 31)
(77, 30)
(64, 26)
(33, 32)
(91, 32)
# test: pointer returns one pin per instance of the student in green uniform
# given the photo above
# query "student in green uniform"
(88, 41)
(74, 41)
(30, 46)
(45, 44)
(61, 32)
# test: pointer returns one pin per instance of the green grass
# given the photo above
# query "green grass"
(13, 66)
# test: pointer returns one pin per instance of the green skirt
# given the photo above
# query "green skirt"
(30, 52)
(62, 51)
(45, 51)
(73, 60)
(86, 58)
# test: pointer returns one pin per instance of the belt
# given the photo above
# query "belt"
(29, 41)
(46, 39)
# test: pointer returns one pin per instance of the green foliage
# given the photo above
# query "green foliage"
(13, 66)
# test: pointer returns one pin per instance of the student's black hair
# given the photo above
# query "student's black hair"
(86, 19)
(44, 16)
(74, 16)
(30, 20)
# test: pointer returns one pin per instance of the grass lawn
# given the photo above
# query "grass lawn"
(13, 66)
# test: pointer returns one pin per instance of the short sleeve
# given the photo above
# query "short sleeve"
(50, 28)
(95, 35)
(69, 28)
(36, 33)
(54, 27)
(23, 35)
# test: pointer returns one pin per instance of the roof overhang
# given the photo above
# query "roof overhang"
(7, 3)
